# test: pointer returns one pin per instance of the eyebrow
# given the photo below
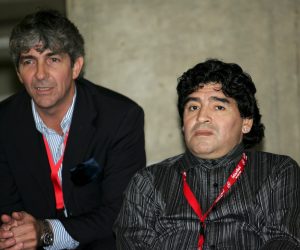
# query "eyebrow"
(220, 99)
(24, 57)
(215, 98)
(53, 54)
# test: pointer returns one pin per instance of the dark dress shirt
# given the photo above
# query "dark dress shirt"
(260, 211)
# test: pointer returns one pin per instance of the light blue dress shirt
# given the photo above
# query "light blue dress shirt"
(62, 239)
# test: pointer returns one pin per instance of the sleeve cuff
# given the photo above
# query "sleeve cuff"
(62, 239)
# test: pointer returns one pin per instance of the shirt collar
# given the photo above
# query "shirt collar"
(65, 123)
(191, 161)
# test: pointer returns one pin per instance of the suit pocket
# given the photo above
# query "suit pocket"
(86, 197)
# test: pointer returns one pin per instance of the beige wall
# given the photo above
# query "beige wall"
(140, 47)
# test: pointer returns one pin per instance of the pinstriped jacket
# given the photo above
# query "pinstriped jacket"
(260, 211)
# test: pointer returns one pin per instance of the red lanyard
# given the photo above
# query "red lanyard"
(191, 199)
(54, 173)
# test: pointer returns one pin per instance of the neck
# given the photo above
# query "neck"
(53, 116)
(235, 153)
(52, 120)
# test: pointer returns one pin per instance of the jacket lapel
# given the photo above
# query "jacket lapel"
(80, 135)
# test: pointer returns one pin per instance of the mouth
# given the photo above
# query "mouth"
(203, 132)
(42, 90)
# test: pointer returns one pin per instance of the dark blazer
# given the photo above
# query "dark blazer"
(106, 127)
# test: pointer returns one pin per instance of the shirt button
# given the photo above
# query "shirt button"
(216, 185)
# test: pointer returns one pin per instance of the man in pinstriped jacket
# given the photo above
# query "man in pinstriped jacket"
(220, 193)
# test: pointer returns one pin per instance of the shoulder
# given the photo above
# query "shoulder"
(154, 179)
(14, 100)
(14, 106)
(114, 116)
(104, 96)
(271, 160)
(169, 164)
(270, 165)
(158, 172)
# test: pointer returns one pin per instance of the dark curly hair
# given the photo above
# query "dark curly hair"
(46, 29)
(236, 84)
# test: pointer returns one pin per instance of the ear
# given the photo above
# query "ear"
(182, 129)
(19, 76)
(247, 125)
(78, 64)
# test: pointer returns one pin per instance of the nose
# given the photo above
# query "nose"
(41, 71)
(203, 115)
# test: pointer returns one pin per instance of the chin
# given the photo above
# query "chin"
(205, 154)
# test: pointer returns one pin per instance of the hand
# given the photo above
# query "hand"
(20, 231)
(7, 240)
(27, 231)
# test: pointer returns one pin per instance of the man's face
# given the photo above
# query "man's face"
(49, 79)
(212, 124)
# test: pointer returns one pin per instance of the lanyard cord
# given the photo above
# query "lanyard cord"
(191, 199)
(59, 199)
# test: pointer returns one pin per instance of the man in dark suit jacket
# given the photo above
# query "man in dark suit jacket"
(96, 133)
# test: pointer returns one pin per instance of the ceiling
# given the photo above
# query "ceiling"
(12, 11)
